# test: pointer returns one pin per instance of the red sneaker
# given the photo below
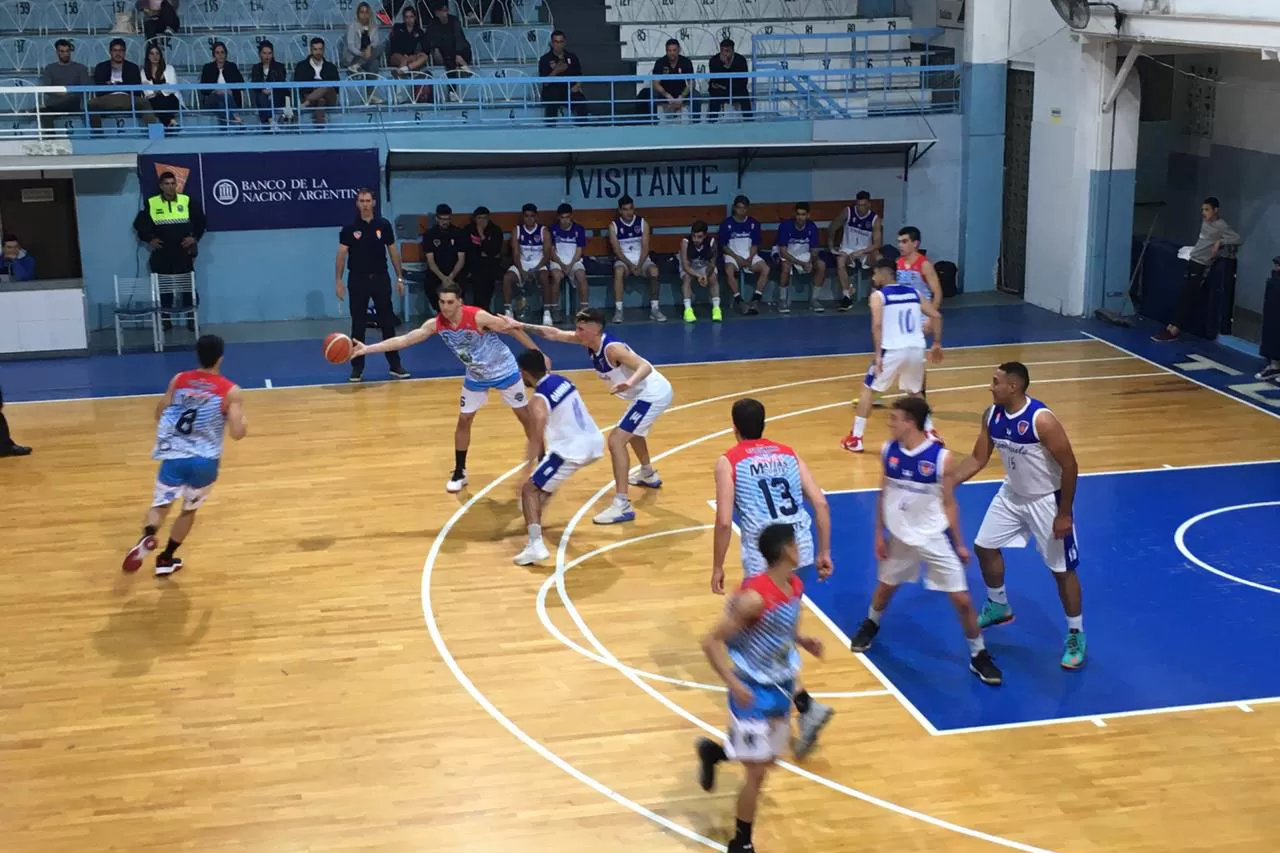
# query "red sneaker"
(852, 443)
(133, 560)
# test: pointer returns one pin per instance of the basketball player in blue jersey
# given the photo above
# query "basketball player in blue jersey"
(918, 523)
(1035, 500)
(698, 255)
(855, 239)
(740, 244)
(568, 242)
(898, 317)
(754, 649)
(629, 237)
(798, 249)
(191, 417)
(634, 379)
(763, 483)
(564, 439)
(530, 252)
(471, 333)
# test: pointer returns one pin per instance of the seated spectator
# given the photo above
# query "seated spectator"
(560, 62)
(64, 72)
(163, 101)
(445, 38)
(217, 73)
(15, 263)
(1217, 240)
(730, 91)
(117, 70)
(407, 47)
(267, 70)
(316, 69)
(361, 49)
(670, 96)
(159, 17)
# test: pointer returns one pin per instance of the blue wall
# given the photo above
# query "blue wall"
(1110, 241)
(982, 191)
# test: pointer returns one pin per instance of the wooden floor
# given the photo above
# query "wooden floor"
(283, 694)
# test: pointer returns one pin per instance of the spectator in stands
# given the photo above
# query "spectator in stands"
(164, 102)
(171, 224)
(362, 48)
(267, 70)
(316, 69)
(217, 73)
(484, 243)
(407, 47)
(15, 263)
(447, 41)
(117, 70)
(158, 17)
(670, 96)
(731, 91)
(64, 72)
(9, 447)
(1217, 240)
(444, 250)
(559, 62)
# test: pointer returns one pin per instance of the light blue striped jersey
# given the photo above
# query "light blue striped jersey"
(486, 357)
(767, 490)
(765, 652)
(192, 425)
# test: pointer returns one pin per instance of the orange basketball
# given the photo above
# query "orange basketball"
(337, 348)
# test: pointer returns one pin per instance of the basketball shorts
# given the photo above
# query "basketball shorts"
(641, 414)
(943, 571)
(699, 268)
(553, 469)
(189, 479)
(760, 731)
(527, 276)
(642, 268)
(576, 267)
(475, 393)
(1012, 520)
(731, 266)
(906, 366)
(862, 262)
(801, 258)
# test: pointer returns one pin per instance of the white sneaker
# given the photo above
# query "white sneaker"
(810, 724)
(617, 316)
(509, 314)
(649, 481)
(455, 486)
(546, 318)
(534, 552)
(616, 513)
(655, 314)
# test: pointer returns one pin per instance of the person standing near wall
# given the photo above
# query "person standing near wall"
(171, 224)
(443, 250)
(363, 247)
(1216, 240)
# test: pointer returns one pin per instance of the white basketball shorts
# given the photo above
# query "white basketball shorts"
(906, 366)
(943, 570)
(1012, 520)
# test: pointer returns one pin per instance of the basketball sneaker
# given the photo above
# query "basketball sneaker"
(656, 315)
(1074, 651)
(736, 846)
(616, 513)
(399, 373)
(846, 302)
(534, 552)
(710, 754)
(995, 614)
(645, 476)
(457, 480)
(618, 316)
(985, 668)
(811, 723)
(716, 314)
(166, 566)
(866, 633)
(852, 443)
(784, 303)
(138, 553)
(689, 316)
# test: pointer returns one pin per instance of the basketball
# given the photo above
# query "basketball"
(337, 348)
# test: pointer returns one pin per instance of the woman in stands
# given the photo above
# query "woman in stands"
(221, 102)
(164, 102)
(407, 47)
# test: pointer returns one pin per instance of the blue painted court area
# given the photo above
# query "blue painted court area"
(1163, 632)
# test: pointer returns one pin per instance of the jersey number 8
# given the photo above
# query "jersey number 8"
(186, 422)
(786, 503)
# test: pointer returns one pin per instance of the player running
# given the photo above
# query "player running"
(467, 331)
(564, 438)
(918, 522)
(753, 649)
(897, 333)
(763, 482)
(1035, 499)
(190, 420)
(632, 378)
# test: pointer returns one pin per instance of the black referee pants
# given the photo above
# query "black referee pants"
(362, 287)
(5, 439)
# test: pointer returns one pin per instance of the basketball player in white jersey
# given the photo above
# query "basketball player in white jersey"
(568, 242)
(918, 523)
(897, 336)
(740, 244)
(564, 439)
(765, 482)
(698, 253)
(634, 379)
(530, 253)
(191, 417)
(471, 333)
(629, 237)
(855, 239)
(1035, 500)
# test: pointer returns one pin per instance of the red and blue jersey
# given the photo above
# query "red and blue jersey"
(191, 426)
(765, 652)
(489, 362)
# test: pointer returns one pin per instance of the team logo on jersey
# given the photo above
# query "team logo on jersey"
(926, 469)
(378, 234)
(1022, 427)
(355, 234)
(893, 462)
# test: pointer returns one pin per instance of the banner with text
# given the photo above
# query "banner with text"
(268, 190)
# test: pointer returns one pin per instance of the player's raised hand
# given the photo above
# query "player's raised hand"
(717, 581)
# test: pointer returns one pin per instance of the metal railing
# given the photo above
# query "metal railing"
(419, 100)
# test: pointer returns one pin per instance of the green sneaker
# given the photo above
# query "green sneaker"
(716, 316)
(1074, 651)
(994, 614)
(689, 316)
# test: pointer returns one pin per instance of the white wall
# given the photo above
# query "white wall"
(1247, 114)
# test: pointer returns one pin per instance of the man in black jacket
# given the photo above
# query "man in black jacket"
(444, 36)
(671, 88)
(221, 102)
(314, 69)
(728, 91)
(120, 71)
(444, 251)
(484, 243)
(561, 62)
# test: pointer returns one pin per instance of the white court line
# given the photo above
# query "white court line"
(458, 376)
(1117, 715)
(1245, 708)
(1180, 536)
(545, 619)
(1170, 370)
(1098, 721)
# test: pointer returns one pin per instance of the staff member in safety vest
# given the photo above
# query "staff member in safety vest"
(171, 223)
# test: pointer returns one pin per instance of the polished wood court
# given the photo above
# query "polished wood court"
(283, 693)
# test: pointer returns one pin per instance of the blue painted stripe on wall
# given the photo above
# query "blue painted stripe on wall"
(1110, 238)
(982, 190)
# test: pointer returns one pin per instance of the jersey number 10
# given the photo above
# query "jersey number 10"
(906, 322)
(786, 503)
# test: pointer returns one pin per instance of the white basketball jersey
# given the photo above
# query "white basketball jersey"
(653, 387)
(570, 432)
(913, 491)
(530, 246)
(1029, 468)
(858, 230)
(901, 320)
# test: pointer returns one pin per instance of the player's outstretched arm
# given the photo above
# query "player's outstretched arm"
(551, 333)
(821, 519)
(1054, 438)
(743, 609)
(724, 523)
(399, 342)
(237, 423)
(878, 534)
(972, 464)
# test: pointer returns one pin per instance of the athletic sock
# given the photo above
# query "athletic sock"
(975, 645)
(617, 306)
(688, 303)
(742, 833)
(874, 615)
(653, 304)
(459, 461)
(169, 550)
(149, 530)
(859, 426)
(1075, 623)
(535, 533)
(715, 302)
(621, 499)
(997, 594)
(757, 296)
(803, 701)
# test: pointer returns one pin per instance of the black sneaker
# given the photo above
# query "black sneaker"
(400, 373)
(355, 376)
(753, 307)
(866, 633)
(710, 753)
(166, 566)
(1270, 373)
(736, 846)
(985, 668)
(846, 302)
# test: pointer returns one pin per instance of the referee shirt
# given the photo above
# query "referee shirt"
(367, 244)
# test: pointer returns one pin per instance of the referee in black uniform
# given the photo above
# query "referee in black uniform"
(362, 251)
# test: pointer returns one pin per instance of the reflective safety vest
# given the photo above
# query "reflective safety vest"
(176, 212)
